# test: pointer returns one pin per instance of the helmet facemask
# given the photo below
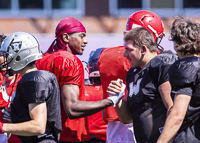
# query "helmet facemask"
(158, 41)
(7, 58)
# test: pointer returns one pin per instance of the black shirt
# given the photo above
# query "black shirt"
(144, 100)
(184, 76)
(38, 87)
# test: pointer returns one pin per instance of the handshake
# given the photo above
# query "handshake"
(116, 91)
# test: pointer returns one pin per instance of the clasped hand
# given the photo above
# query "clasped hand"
(116, 91)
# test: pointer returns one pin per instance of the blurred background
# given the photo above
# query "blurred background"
(104, 20)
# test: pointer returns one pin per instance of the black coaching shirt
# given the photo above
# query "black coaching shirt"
(38, 87)
(184, 76)
(144, 100)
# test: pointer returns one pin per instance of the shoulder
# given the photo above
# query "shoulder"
(59, 55)
(112, 51)
(186, 67)
(38, 76)
(163, 59)
(62, 58)
(113, 48)
(65, 55)
(113, 57)
(68, 57)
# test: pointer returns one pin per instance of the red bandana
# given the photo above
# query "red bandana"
(67, 25)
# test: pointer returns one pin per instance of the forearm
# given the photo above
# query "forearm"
(123, 112)
(78, 109)
(175, 118)
(29, 128)
(171, 127)
(36, 126)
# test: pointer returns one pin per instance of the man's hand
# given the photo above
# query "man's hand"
(116, 91)
(6, 114)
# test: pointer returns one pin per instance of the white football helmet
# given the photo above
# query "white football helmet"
(19, 49)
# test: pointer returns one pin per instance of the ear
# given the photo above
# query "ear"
(144, 49)
(65, 37)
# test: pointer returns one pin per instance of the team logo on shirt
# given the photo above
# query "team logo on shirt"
(134, 89)
(16, 46)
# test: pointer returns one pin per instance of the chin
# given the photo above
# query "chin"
(79, 53)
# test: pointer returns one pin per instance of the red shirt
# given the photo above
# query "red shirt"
(13, 138)
(97, 126)
(112, 65)
(69, 70)
(10, 88)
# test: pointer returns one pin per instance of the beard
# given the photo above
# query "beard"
(79, 52)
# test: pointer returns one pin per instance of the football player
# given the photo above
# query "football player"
(61, 60)
(149, 91)
(113, 65)
(35, 110)
(94, 92)
(183, 121)
(8, 84)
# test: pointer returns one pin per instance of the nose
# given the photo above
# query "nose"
(85, 40)
(126, 53)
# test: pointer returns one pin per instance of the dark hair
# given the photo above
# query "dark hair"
(141, 36)
(186, 36)
(2, 37)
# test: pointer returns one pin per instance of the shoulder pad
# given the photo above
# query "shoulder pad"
(185, 70)
(164, 59)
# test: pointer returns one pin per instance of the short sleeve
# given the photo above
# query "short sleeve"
(71, 72)
(67, 68)
(35, 92)
(159, 67)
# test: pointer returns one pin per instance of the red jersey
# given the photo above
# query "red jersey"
(97, 126)
(10, 88)
(1, 78)
(69, 70)
(112, 65)
(13, 138)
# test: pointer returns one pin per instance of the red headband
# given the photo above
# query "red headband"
(67, 25)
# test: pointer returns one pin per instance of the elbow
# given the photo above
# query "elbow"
(71, 115)
(126, 121)
(40, 130)
(178, 120)
(71, 111)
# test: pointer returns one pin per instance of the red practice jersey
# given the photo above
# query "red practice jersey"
(69, 70)
(97, 126)
(112, 65)
(10, 90)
